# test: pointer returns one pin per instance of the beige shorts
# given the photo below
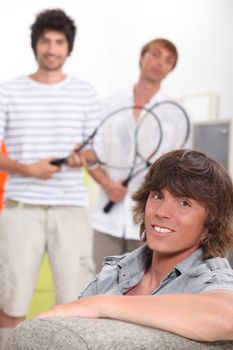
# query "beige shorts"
(26, 232)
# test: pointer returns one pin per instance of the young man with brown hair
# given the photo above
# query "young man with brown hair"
(179, 281)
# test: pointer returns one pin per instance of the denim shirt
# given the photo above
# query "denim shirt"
(192, 275)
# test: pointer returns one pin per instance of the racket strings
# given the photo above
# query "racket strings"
(175, 123)
(118, 149)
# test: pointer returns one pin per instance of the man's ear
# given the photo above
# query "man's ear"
(204, 235)
(140, 60)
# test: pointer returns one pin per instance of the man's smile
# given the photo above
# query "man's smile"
(161, 229)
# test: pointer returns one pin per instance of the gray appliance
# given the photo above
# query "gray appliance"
(213, 138)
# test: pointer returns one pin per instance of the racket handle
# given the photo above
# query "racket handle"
(108, 206)
(62, 161)
(59, 161)
(111, 204)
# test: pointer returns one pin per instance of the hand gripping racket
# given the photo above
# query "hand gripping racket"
(112, 143)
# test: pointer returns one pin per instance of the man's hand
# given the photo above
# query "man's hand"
(115, 191)
(42, 169)
(77, 158)
(87, 307)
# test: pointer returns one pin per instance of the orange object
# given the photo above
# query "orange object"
(3, 177)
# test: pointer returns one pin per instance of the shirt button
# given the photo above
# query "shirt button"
(123, 274)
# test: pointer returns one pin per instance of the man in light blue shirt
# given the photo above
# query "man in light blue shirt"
(192, 275)
(184, 210)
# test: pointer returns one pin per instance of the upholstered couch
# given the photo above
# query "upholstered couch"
(101, 334)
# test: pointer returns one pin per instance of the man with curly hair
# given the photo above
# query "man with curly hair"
(42, 117)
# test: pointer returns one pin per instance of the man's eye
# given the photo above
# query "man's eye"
(61, 42)
(155, 54)
(185, 203)
(156, 195)
(43, 41)
(170, 62)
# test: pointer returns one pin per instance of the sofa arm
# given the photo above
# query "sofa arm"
(99, 334)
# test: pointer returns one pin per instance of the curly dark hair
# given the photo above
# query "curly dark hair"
(192, 174)
(54, 19)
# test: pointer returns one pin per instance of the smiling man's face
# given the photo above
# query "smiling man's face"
(52, 50)
(173, 224)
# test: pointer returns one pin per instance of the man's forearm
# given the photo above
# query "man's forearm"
(203, 317)
(12, 166)
(199, 317)
(114, 190)
(98, 175)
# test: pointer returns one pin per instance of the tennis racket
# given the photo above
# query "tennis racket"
(175, 124)
(112, 143)
(175, 129)
(144, 145)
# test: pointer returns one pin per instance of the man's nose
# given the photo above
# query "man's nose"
(165, 209)
(52, 48)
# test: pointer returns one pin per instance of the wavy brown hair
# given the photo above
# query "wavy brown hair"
(188, 173)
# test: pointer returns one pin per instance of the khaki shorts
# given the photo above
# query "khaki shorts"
(26, 232)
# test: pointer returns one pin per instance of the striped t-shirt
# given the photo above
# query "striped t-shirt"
(38, 121)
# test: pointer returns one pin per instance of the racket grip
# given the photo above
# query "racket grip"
(111, 204)
(108, 206)
(59, 161)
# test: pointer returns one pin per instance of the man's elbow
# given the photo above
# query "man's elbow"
(228, 326)
(224, 329)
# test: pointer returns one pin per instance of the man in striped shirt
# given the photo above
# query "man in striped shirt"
(42, 117)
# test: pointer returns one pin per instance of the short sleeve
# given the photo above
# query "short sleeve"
(218, 280)
(3, 113)
(93, 112)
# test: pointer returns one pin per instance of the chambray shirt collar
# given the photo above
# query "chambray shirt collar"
(132, 267)
(138, 259)
(191, 261)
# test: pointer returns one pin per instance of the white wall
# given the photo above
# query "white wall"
(111, 33)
